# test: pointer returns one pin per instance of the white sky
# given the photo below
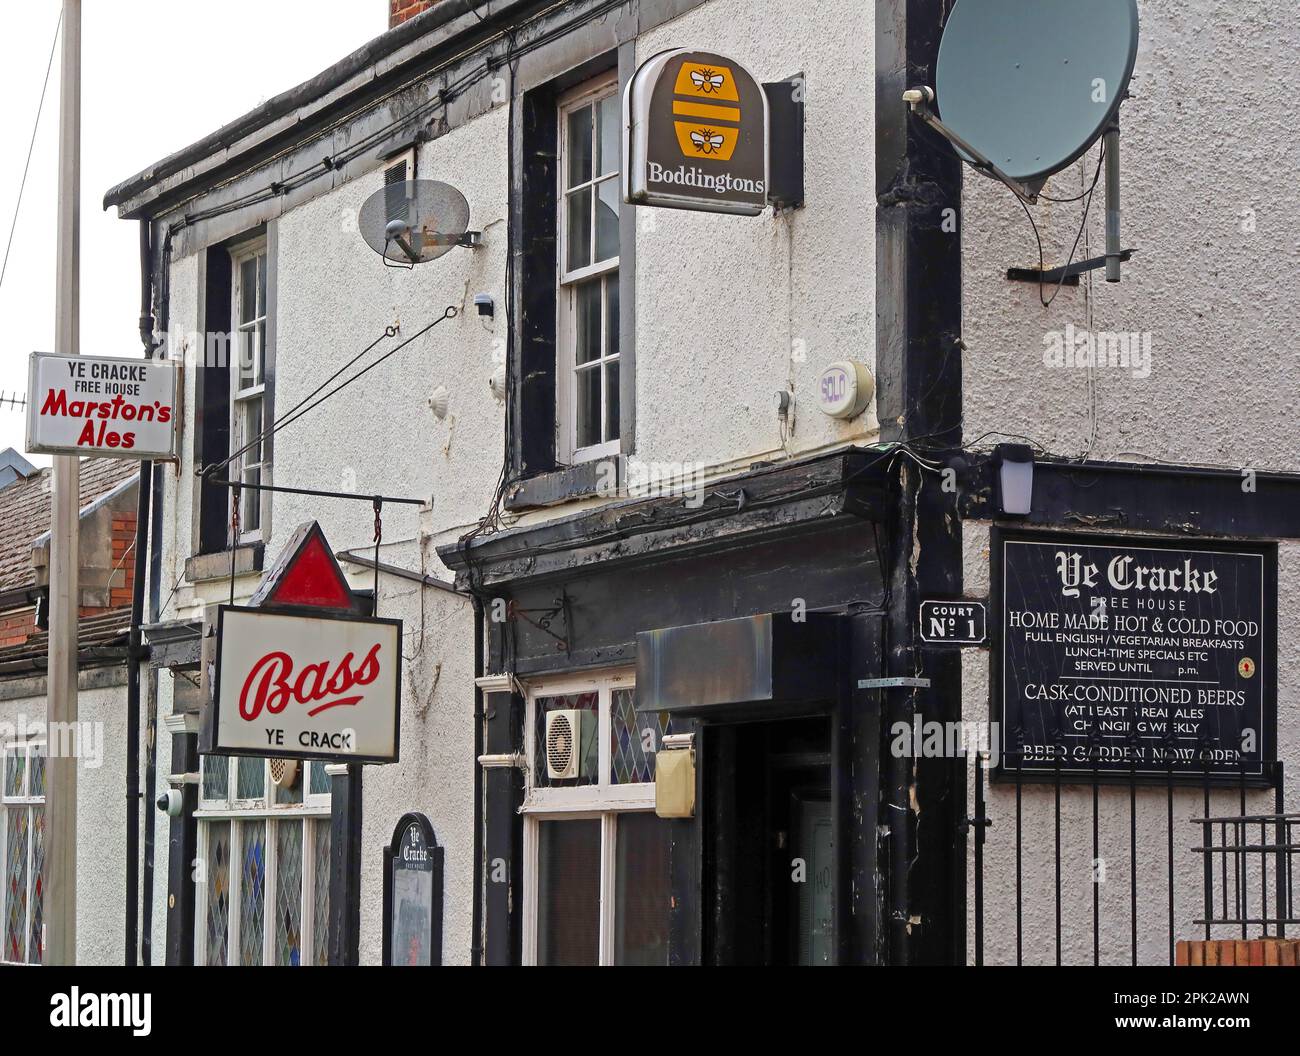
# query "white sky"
(156, 76)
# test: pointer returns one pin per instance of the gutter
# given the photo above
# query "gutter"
(91, 656)
(21, 597)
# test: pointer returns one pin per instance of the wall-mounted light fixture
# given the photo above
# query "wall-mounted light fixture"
(1015, 464)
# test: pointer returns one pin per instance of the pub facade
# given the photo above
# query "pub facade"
(692, 456)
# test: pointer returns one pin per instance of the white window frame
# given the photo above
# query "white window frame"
(586, 94)
(314, 807)
(602, 800)
(30, 803)
(242, 397)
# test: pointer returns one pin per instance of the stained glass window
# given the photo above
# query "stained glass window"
(321, 892)
(320, 781)
(15, 759)
(36, 774)
(252, 891)
(35, 944)
(288, 893)
(216, 777)
(15, 945)
(589, 758)
(250, 778)
(600, 880)
(261, 865)
(22, 822)
(634, 739)
(217, 872)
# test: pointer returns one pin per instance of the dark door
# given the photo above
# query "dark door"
(769, 879)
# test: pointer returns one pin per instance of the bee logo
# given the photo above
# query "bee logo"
(706, 111)
(707, 81)
(707, 141)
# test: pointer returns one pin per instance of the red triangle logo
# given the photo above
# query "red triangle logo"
(306, 574)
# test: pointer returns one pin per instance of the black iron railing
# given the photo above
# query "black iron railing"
(1248, 857)
(1254, 852)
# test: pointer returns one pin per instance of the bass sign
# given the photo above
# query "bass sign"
(271, 685)
(293, 685)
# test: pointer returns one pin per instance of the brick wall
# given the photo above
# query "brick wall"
(17, 626)
(123, 559)
(400, 10)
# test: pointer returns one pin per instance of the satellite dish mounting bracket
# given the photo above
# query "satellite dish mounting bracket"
(467, 240)
(919, 99)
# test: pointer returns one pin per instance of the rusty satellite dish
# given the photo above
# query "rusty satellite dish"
(410, 222)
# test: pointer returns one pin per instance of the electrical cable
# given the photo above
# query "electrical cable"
(490, 523)
(1042, 264)
(299, 410)
(445, 95)
(40, 106)
(389, 331)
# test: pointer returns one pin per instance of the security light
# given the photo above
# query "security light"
(1015, 464)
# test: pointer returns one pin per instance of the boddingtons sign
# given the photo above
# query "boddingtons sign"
(695, 128)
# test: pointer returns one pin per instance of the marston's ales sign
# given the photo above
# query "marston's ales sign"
(107, 408)
(1124, 656)
(695, 135)
(306, 687)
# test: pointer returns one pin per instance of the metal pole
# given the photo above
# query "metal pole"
(60, 893)
(1113, 252)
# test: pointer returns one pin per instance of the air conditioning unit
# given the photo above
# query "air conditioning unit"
(564, 743)
(284, 772)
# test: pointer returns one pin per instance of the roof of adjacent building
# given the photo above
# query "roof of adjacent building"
(14, 462)
(100, 639)
(26, 510)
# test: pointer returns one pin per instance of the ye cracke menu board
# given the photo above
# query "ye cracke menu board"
(1120, 655)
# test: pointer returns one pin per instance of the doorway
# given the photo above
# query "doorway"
(769, 843)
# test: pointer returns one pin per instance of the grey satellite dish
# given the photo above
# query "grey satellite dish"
(411, 222)
(1025, 87)
(1032, 84)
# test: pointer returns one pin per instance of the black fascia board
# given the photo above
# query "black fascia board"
(1168, 499)
(784, 497)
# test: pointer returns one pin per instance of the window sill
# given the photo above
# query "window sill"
(600, 476)
(205, 568)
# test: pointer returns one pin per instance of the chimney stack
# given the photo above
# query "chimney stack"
(400, 10)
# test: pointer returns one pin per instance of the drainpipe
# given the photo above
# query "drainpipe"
(135, 653)
(476, 923)
(188, 824)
